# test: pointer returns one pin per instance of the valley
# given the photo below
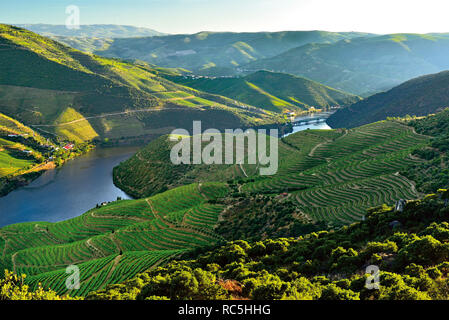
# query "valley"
(89, 97)
(79, 185)
(358, 63)
(275, 92)
(88, 177)
(322, 173)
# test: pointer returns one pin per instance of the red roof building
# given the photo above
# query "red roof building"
(68, 146)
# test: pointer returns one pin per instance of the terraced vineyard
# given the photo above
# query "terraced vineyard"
(100, 272)
(336, 175)
(115, 242)
(330, 175)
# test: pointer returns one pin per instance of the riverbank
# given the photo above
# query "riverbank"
(25, 177)
(75, 187)
(67, 191)
(8, 185)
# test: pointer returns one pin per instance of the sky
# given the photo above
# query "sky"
(190, 16)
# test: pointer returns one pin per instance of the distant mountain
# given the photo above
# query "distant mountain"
(364, 65)
(216, 53)
(88, 45)
(91, 31)
(420, 96)
(90, 37)
(82, 97)
(276, 92)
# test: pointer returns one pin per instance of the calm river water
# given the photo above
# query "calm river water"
(77, 186)
(68, 191)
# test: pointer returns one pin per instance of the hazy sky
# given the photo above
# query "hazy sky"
(189, 16)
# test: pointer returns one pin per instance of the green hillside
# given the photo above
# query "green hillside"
(82, 97)
(339, 178)
(417, 97)
(91, 31)
(114, 242)
(434, 173)
(364, 65)
(331, 176)
(410, 248)
(328, 176)
(326, 179)
(12, 156)
(151, 171)
(215, 53)
(271, 91)
(84, 44)
(89, 38)
(25, 154)
(21, 153)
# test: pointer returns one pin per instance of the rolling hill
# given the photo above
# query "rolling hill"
(327, 182)
(417, 97)
(325, 171)
(329, 176)
(363, 65)
(82, 97)
(408, 246)
(108, 31)
(116, 241)
(326, 179)
(151, 171)
(90, 37)
(20, 153)
(271, 91)
(215, 53)
(25, 154)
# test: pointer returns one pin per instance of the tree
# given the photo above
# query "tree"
(332, 292)
(13, 287)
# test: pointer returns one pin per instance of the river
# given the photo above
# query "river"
(78, 186)
(68, 191)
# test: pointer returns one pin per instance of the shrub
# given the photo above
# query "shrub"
(332, 292)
